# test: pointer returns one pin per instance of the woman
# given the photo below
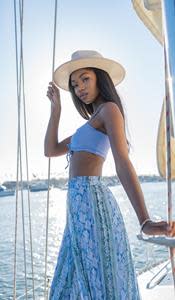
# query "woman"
(94, 260)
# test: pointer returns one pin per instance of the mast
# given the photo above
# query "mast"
(168, 19)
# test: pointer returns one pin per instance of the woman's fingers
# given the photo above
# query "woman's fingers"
(53, 94)
(172, 233)
(53, 87)
(159, 228)
(50, 96)
(52, 91)
(163, 228)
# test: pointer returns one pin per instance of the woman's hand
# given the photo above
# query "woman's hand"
(159, 228)
(53, 94)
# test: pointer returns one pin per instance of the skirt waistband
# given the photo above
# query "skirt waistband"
(85, 180)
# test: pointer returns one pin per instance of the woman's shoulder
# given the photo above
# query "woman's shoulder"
(102, 108)
(109, 110)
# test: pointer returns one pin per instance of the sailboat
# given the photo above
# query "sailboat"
(156, 283)
(158, 16)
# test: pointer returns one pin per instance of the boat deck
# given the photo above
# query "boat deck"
(157, 283)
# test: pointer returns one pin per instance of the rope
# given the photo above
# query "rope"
(17, 175)
(21, 6)
(49, 167)
(28, 191)
(30, 291)
(20, 84)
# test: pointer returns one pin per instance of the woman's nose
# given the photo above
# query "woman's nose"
(81, 87)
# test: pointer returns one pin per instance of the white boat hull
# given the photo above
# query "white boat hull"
(156, 287)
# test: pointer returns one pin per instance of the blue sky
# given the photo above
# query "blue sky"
(110, 27)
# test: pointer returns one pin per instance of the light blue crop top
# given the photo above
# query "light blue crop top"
(87, 138)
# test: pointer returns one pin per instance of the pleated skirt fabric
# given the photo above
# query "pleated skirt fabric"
(94, 260)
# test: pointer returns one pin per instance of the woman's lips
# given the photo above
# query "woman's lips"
(83, 95)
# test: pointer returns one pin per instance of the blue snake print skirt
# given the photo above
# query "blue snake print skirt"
(94, 261)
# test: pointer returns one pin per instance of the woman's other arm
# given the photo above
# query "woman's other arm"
(114, 124)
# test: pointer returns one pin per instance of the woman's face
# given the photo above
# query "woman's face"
(84, 83)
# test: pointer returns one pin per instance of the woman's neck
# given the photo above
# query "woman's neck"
(97, 102)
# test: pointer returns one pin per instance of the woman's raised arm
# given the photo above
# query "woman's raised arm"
(51, 145)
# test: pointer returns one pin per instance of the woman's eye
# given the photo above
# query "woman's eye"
(85, 79)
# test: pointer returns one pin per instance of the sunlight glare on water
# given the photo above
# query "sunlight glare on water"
(144, 255)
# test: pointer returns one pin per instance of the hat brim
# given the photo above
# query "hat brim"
(63, 72)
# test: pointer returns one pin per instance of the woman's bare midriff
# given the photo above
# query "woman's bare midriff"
(83, 163)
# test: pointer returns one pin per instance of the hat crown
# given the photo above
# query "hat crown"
(81, 54)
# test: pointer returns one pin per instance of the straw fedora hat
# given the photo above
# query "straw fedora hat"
(84, 59)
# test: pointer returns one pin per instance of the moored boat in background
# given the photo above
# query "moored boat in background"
(39, 186)
(4, 192)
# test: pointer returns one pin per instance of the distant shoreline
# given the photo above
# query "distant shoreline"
(62, 181)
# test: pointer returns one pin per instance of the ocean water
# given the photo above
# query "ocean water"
(144, 254)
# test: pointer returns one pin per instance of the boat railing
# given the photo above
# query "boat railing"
(164, 271)
(158, 240)
(159, 276)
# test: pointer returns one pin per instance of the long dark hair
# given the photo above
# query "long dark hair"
(107, 91)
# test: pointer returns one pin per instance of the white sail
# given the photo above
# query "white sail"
(149, 11)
